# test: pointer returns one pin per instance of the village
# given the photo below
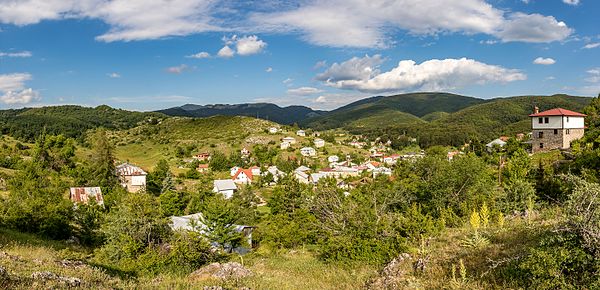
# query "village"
(551, 129)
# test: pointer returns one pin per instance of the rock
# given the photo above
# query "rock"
(392, 275)
(71, 263)
(44, 275)
(212, 288)
(49, 276)
(5, 255)
(226, 271)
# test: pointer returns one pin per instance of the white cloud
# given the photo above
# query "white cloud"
(571, 2)
(248, 45)
(369, 23)
(303, 91)
(113, 75)
(431, 75)
(352, 69)
(353, 23)
(15, 54)
(591, 45)
(202, 54)
(335, 100)
(269, 69)
(594, 75)
(288, 81)
(12, 87)
(128, 19)
(177, 69)
(488, 42)
(320, 64)
(533, 28)
(226, 52)
(544, 61)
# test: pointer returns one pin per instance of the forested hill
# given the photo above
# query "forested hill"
(416, 104)
(272, 112)
(71, 121)
(484, 121)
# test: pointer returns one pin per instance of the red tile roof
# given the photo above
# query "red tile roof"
(558, 112)
(248, 173)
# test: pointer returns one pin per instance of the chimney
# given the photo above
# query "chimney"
(536, 110)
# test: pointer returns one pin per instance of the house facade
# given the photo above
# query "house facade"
(226, 187)
(555, 129)
(308, 152)
(131, 177)
(319, 143)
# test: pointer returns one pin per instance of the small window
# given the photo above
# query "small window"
(540, 120)
(540, 135)
(546, 120)
(567, 119)
(568, 132)
(555, 131)
(541, 145)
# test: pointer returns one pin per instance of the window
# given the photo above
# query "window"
(555, 131)
(540, 120)
(540, 135)
(568, 132)
(546, 120)
(541, 145)
(567, 119)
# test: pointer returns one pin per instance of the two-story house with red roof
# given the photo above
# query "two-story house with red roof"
(555, 129)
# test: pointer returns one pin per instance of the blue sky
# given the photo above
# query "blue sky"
(153, 54)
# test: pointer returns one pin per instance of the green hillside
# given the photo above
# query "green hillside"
(417, 104)
(485, 121)
(71, 121)
(387, 116)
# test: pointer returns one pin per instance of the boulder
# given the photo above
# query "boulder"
(226, 271)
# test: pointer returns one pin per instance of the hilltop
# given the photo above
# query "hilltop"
(286, 115)
(416, 104)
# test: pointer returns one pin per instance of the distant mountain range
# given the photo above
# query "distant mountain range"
(283, 115)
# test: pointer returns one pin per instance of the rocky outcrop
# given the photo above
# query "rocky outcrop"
(226, 271)
(49, 276)
(393, 275)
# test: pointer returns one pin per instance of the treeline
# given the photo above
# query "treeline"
(70, 121)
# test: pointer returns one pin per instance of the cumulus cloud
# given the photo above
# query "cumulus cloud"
(362, 23)
(12, 87)
(571, 2)
(202, 54)
(177, 69)
(226, 52)
(303, 91)
(544, 61)
(591, 45)
(353, 69)
(248, 45)
(533, 28)
(433, 75)
(15, 54)
(269, 69)
(113, 75)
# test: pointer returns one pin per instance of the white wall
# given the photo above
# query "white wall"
(554, 122)
(138, 180)
(574, 122)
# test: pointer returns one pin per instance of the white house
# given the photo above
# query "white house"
(284, 145)
(496, 142)
(196, 223)
(255, 170)
(131, 177)
(243, 176)
(333, 159)
(308, 152)
(277, 174)
(273, 130)
(381, 171)
(225, 186)
(555, 129)
(391, 160)
(233, 170)
(301, 133)
(302, 176)
(319, 143)
(290, 140)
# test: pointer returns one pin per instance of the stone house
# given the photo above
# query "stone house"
(131, 177)
(555, 129)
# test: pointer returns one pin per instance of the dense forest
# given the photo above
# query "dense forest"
(488, 219)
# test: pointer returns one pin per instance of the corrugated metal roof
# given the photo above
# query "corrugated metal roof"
(224, 184)
(85, 194)
(126, 169)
